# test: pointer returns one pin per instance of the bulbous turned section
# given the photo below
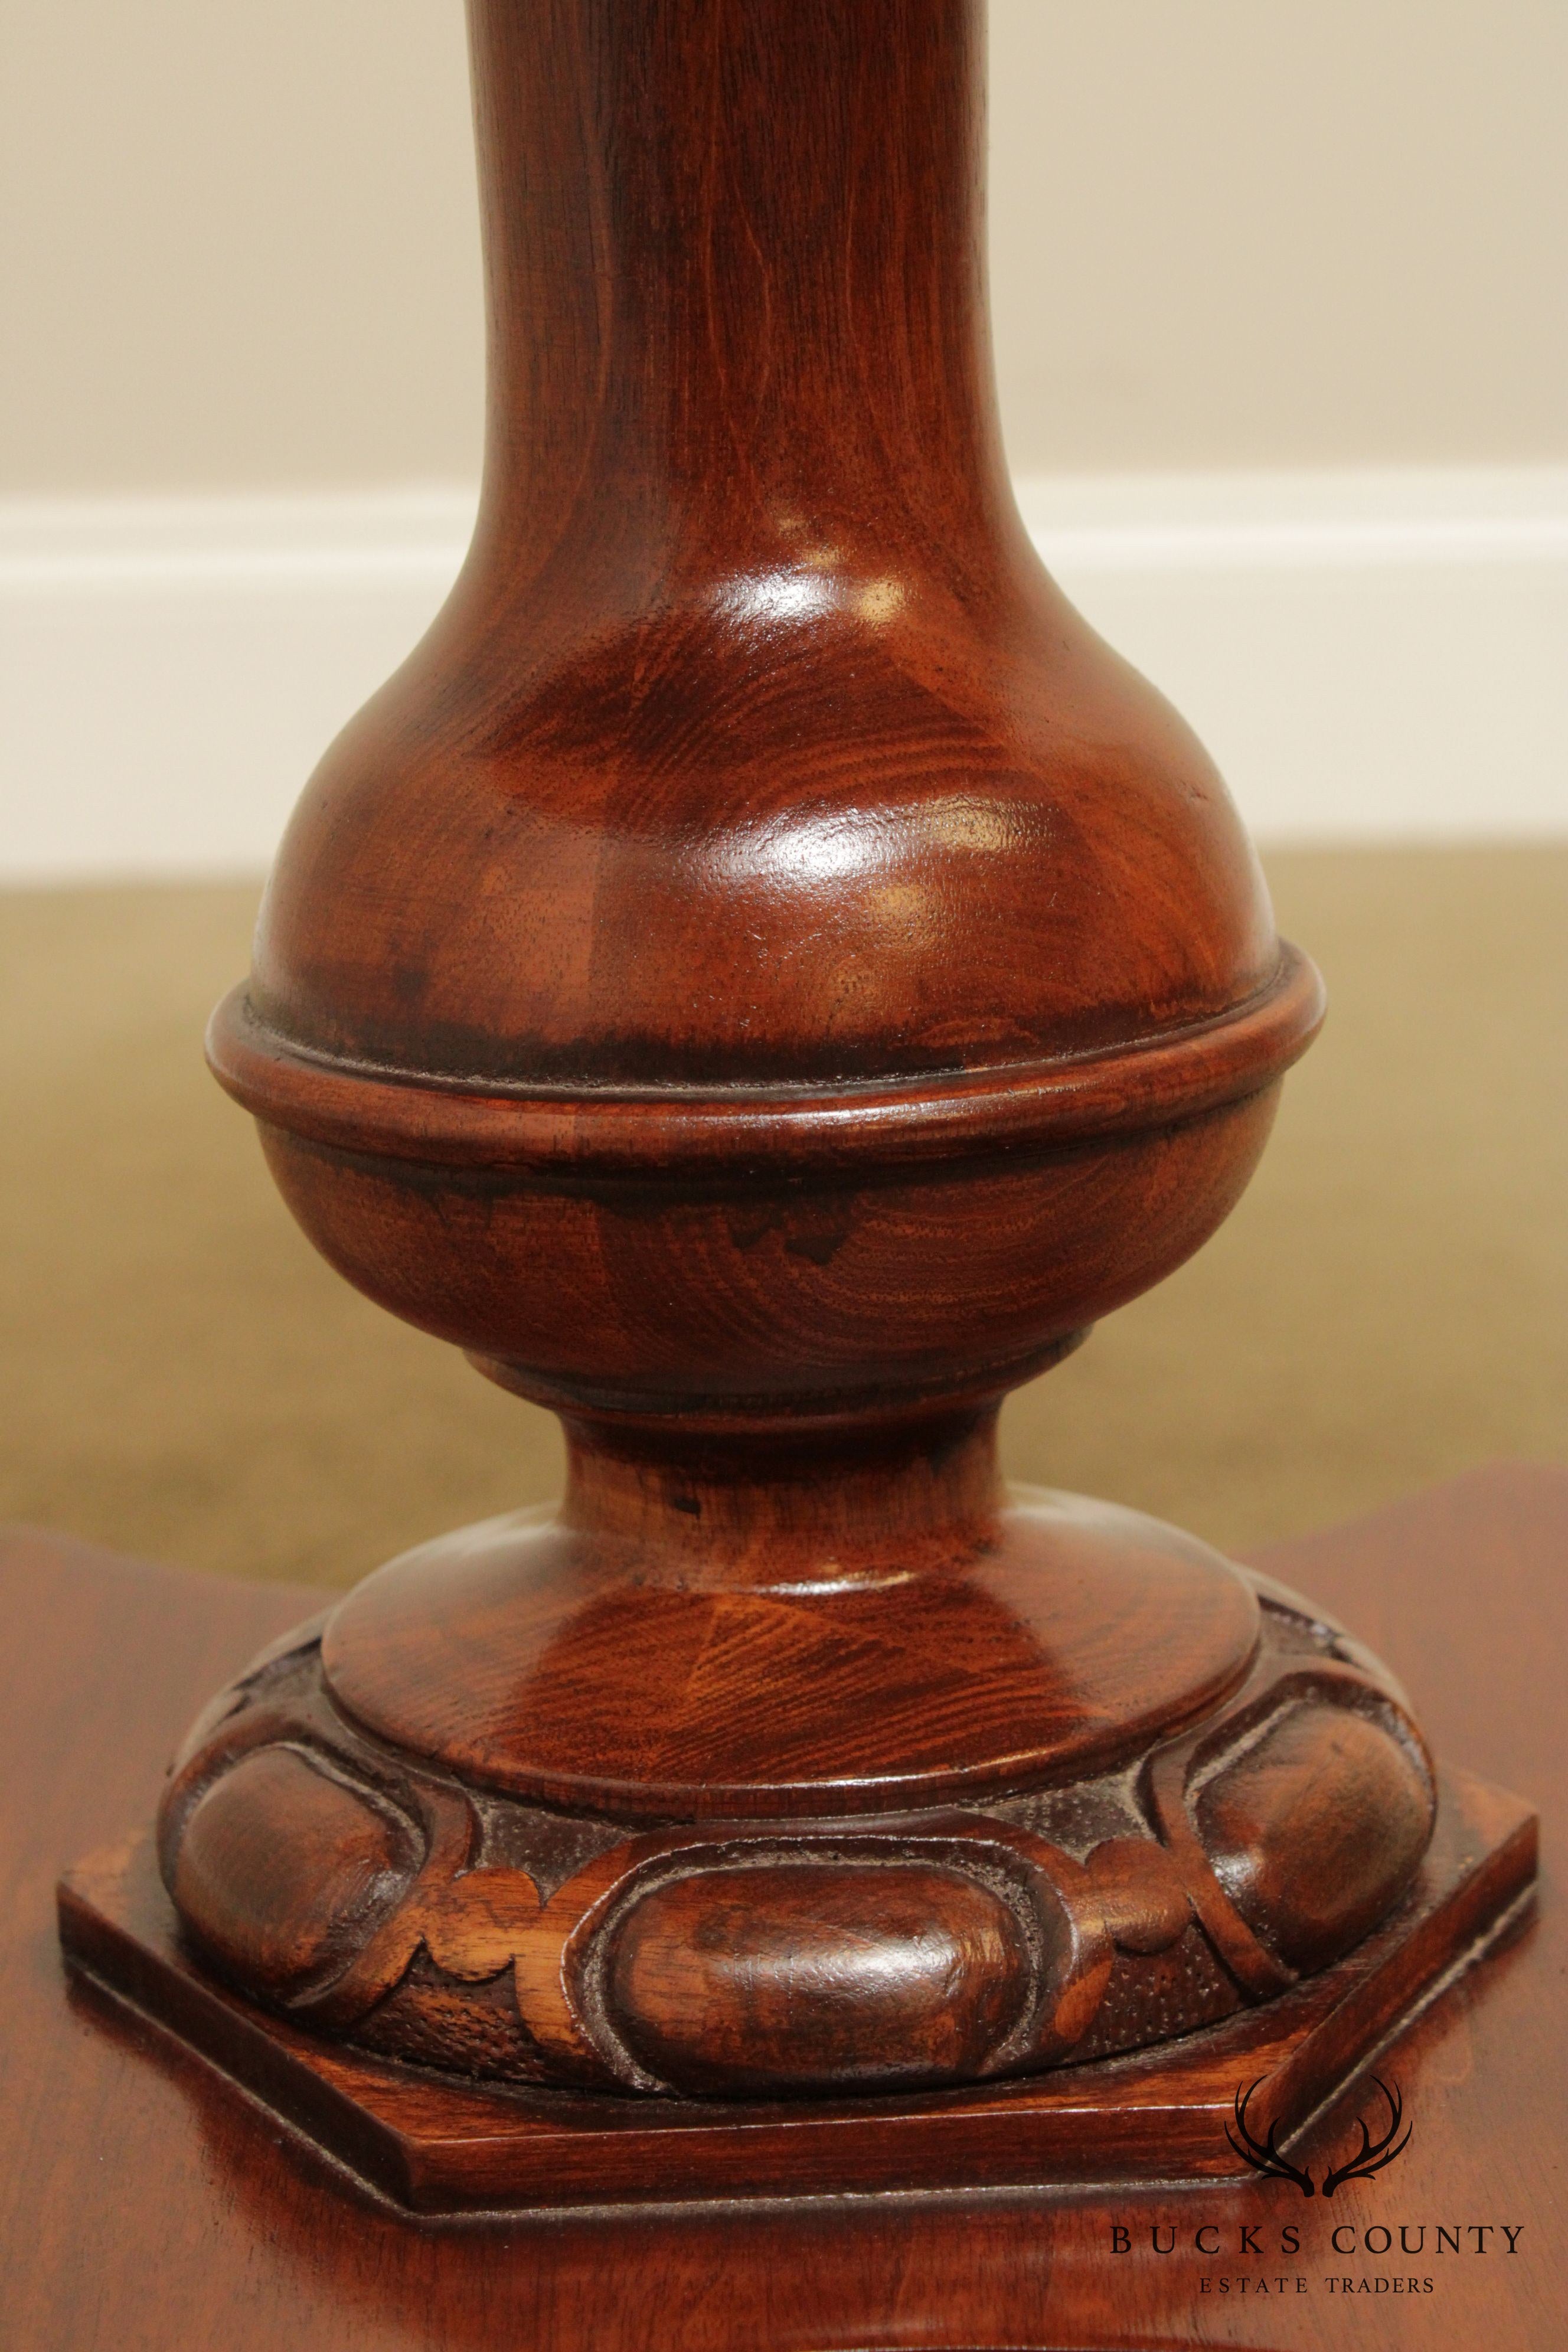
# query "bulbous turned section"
(754, 747)
(763, 978)
(762, 951)
(762, 954)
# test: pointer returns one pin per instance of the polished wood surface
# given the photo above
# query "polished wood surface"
(918, 2011)
(763, 978)
(403, 1896)
(898, 1658)
(756, 745)
(146, 2203)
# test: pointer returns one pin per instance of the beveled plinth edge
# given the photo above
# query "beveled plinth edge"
(436, 2147)
(431, 1116)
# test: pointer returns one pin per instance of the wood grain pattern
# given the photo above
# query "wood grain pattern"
(762, 959)
(694, 1672)
(354, 1885)
(762, 978)
(224, 2226)
(440, 2145)
(755, 747)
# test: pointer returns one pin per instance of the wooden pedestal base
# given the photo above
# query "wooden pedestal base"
(146, 2200)
(1223, 1793)
(443, 2148)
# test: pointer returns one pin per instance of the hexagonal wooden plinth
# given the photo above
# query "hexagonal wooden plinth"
(437, 2146)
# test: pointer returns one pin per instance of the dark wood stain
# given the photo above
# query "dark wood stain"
(146, 2201)
(765, 978)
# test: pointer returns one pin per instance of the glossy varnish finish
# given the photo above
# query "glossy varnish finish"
(755, 746)
(146, 2202)
(768, 2005)
(765, 978)
(1042, 1637)
(780, 1943)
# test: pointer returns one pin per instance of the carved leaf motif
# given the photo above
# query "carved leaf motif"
(473, 1931)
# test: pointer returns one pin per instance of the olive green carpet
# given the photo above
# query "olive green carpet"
(180, 1376)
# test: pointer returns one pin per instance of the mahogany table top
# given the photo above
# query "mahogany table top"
(146, 2202)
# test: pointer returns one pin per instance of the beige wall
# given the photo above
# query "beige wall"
(239, 246)
(1282, 232)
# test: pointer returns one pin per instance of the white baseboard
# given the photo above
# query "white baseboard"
(1379, 655)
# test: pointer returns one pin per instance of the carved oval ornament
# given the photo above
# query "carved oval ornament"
(369, 1898)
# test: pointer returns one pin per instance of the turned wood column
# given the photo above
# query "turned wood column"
(763, 977)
